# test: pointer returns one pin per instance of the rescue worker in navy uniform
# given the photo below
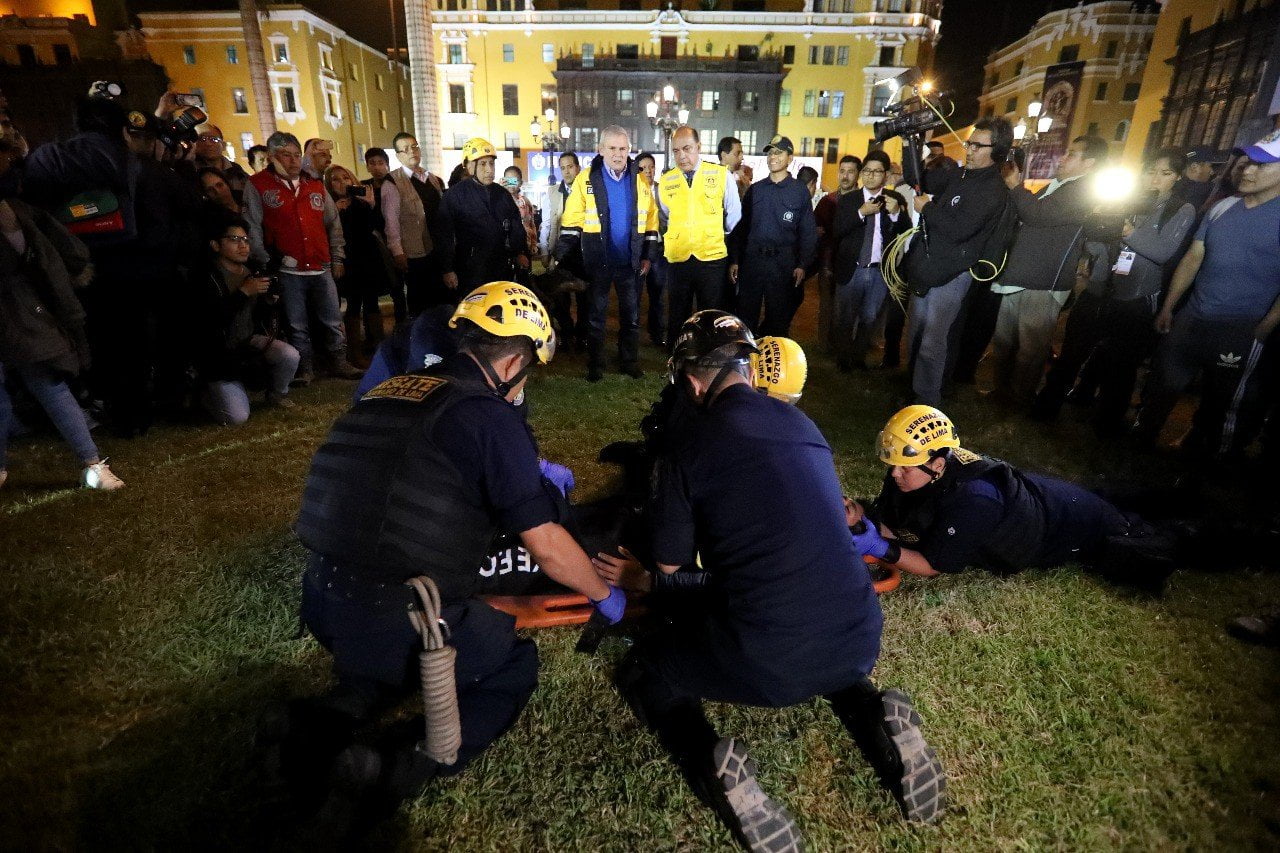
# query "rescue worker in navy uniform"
(790, 613)
(481, 235)
(943, 508)
(416, 479)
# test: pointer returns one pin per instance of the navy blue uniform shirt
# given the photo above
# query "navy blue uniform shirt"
(754, 493)
(493, 448)
(776, 216)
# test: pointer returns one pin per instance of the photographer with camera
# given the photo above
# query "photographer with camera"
(238, 342)
(293, 222)
(956, 223)
(366, 277)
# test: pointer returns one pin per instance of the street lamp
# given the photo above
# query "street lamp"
(1028, 130)
(547, 138)
(666, 114)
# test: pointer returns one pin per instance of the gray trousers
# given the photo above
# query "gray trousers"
(935, 334)
(1023, 340)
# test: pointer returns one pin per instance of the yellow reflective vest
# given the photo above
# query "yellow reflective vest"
(586, 211)
(695, 224)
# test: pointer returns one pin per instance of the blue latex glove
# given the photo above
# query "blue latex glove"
(869, 542)
(613, 607)
(560, 476)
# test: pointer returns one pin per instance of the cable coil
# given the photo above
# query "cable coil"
(436, 664)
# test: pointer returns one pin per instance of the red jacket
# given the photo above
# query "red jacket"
(294, 225)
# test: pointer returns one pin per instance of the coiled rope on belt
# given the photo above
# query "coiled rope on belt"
(436, 667)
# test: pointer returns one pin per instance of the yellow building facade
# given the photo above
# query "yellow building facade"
(323, 82)
(500, 66)
(1112, 39)
(1178, 20)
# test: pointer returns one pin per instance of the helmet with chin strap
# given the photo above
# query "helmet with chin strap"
(712, 338)
(506, 309)
(916, 435)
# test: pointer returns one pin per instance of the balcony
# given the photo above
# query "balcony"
(684, 64)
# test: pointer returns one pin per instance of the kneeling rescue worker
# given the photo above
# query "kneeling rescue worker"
(413, 483)
(750, 485)
(943, 508)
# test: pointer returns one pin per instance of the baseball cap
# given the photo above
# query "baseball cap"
(782, 143)
(1265, 150)
(1203, 154)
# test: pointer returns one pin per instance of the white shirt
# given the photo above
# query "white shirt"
(877, 240)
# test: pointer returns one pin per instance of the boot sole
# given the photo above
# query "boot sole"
(760, 824)
(921, 793)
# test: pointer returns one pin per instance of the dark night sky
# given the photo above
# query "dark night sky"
(970, 30)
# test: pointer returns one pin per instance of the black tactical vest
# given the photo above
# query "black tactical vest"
(1014, 543)
(385, 503)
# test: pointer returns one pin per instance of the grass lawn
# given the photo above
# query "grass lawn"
(145, 631)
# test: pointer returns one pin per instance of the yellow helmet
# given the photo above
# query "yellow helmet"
(507, 309)
(915, 435)
(475, 148)
(780, 368)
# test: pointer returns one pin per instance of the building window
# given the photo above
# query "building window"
(628, 51)
(357, 112)
(587, 139)
(550, 99)
(1131, 92)
(459, 139)
(813, 54)
(819, 145)
(512, 140)
(1069, 53)
(233, 55)
(886, 56)
(588, 56)
(548, 52)
(824, 104)
(457, 98)
(880, 96)
(709, 138)
(239, 105)
(326, 57)
(587, 100)
(789, 54)
(377, 82)
(246, 142)
(353, 71)
(1113, 47)
(189, 55)
(1100, 94)
(282, 51)
(629, 6)
(508, 53)
(837, 104)
(804, 146)
(1011, 106)
(748, 139)
(748, 102)
(382, 119)
(842, 55)
(1122, 131)
(288, 100)
(510, 99)
(829, 55)
(833, 152)
(62, 54)
(809, 102)
(332, 108)
(1017, 69)
(894, 6)
(748, 53)
(626, 101)
(710, 101)
(784, 102)
(456, 55)
(27, 55)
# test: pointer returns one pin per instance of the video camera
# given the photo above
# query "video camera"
(916, 115)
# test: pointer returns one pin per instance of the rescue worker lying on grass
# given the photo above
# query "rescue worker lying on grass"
(415, 480)
(749, 483)
(943, 508)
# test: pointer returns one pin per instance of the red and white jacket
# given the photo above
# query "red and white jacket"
(292, 222)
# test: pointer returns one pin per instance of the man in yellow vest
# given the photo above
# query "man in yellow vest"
(610, 214)
(700, 201)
